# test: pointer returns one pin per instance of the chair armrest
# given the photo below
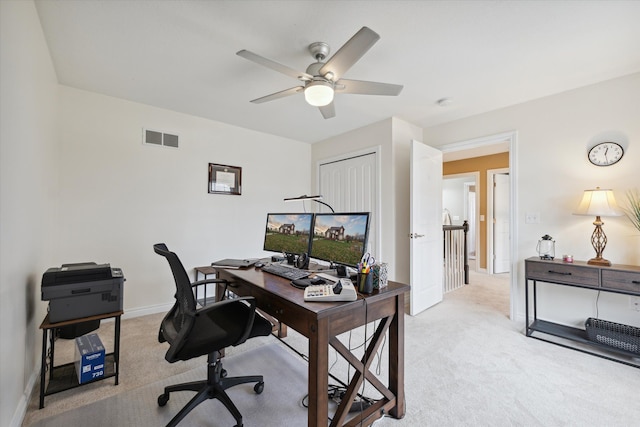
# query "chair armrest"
(206, 281)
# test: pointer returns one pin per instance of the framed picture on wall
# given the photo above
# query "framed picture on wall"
(224, 179)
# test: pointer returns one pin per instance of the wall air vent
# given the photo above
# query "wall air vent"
(153, 137)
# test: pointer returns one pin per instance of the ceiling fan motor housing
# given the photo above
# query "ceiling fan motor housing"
(319, 50)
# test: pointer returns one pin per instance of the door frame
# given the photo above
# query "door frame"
(490, 225)
(511, 137)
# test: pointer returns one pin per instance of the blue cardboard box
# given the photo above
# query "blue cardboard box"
(89, 358)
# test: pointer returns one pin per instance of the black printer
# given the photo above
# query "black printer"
(81, 290)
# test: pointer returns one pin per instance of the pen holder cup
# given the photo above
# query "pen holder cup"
(365, 283)
(380, 275)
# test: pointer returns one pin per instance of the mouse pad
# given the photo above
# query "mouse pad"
(301, 283)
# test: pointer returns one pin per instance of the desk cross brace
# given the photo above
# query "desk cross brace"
(375, 411)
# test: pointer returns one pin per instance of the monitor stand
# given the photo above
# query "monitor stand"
(341, 271)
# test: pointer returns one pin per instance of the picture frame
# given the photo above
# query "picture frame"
(225, 179)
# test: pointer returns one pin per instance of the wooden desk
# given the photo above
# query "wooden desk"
(64, 377)
(321, 323)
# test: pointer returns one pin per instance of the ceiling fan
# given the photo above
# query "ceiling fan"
(322, 79)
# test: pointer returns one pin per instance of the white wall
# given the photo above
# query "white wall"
(400, 215)
(453, 198)
(28, 165)
(78, 185)
(118, 197)
(554, 134)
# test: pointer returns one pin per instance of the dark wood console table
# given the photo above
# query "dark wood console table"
(63, 377)
(620, 279)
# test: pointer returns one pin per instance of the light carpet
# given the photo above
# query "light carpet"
(285, 377)
(466, 364)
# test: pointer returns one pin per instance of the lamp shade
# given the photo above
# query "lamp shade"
(598, 202)
(303, 197)
(318, 93)
(317, 199)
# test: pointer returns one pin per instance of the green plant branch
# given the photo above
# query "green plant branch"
(633, 211)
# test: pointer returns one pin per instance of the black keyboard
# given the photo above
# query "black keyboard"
(286, 272)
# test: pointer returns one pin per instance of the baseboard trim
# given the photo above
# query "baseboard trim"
(21, 409)
(143, 311)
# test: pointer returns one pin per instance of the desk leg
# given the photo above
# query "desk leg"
(116, 348)
(43, 365)
(318, 411)
(396, 359)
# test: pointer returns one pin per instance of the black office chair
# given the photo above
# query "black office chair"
(193, 332)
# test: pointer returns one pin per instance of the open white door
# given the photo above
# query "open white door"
(426, 227)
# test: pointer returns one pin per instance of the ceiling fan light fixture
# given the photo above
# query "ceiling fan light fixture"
(318, 93)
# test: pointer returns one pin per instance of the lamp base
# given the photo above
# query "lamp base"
(599, 261)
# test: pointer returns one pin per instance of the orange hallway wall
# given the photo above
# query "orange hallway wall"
(481, 165)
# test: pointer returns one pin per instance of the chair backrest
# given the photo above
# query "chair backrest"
(185, 300)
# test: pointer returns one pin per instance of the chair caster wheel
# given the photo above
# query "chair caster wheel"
(223, 374)
(163, 399)
(259, 387)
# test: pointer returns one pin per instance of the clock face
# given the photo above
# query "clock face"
(605, 153)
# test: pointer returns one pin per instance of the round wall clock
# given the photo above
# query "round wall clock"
(605, 153)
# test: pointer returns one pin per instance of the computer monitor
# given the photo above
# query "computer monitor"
(340, 238)
(288, 232)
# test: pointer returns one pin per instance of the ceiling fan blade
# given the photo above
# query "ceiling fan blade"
(350, 53)
(273, 65)
(328, 111)
(278, 95)
(367, 88)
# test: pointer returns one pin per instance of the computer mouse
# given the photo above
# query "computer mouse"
(318, 281)
(259, 265)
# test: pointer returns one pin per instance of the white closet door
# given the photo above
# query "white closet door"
(351, 185)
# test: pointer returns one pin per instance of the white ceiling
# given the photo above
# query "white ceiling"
(484, 55)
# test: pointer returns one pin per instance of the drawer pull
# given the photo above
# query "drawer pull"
(637, 282)
(563, 273)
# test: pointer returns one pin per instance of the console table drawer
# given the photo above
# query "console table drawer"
(563, 273)
(621, 280)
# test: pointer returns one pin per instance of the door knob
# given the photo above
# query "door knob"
(415, 235)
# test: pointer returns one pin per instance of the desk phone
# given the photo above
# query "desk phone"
(343, 290)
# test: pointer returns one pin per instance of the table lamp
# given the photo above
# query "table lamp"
(598, 202)
(317, 199)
